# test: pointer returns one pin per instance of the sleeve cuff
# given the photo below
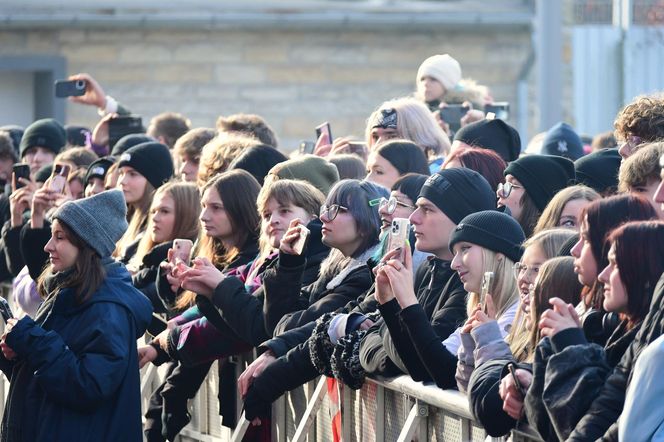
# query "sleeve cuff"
(291, 261)
(567, 337)
(390, 308)
(226, 287)
(486, 333)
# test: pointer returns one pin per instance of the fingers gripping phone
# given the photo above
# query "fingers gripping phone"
(301, 242)
(182, 250)
(399, 232)
(324, 129)
(20, 171)
(59, 178)
(70, 88)
(485, 288)
(511, 367)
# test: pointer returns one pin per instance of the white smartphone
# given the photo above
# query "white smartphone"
(301, 242)
(487, 282)
(399, 232)
(182, 250)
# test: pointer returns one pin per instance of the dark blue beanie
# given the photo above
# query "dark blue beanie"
(563, 141)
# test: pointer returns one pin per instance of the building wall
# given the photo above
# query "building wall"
(294, 78)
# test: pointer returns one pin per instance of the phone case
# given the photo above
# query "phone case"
(182, 250)
(399, 232)
(301, 242)
(487, 282)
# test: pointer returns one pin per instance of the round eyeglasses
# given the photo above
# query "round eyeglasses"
(504, 189)
(530, 272)
(331, 211)
(391, 205)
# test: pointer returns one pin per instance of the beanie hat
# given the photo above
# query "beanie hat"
(542, 176)
(99, 168)
(599, 169)
(443, 68)
(152, 160)
(42, 174)
(46, 133)
(563, 141)
(258, 161)
(99, 220)
(492, 230)
(493, 134)
(128, 141)
(15, 133)
(311, 168)
(458, 192)
(77, 135)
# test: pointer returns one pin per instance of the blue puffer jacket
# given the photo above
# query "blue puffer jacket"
(76, 376)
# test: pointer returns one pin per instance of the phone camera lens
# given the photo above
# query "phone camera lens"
(80, 84)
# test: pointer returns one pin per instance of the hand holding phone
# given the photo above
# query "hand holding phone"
(511, 367)
(292, 237)
(70, 88)
(301, 242)
(452, 115)
(20, 171)
(398, 236)
(324, 129)
(181, 251)
(487, 283)
(58, 178)
(5, 310)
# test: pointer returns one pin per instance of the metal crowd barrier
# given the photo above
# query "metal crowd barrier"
(397, 409)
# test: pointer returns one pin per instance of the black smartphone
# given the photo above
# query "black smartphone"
(324, 129)
(511, 367)
(118, 127)
(500, 109)
(20, 171)
(307, 147)
(452, 115)
(70, 88)
(5, 310)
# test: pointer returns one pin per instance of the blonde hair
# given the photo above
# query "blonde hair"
(548, 242)
(414, 123)
(504, 290)
(137, 215)
(187, 207)
(219, 153)
(553, 211)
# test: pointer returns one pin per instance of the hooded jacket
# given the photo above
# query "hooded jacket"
(76, 376)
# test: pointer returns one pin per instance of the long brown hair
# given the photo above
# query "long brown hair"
(87, 273)
(187, 207)
(137, 217)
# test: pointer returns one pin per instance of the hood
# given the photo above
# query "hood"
(116, 288)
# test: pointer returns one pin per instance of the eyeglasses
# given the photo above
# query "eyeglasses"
(630, 143)
(529, 271)
(391, 205)
(331, 212)
(504, 189)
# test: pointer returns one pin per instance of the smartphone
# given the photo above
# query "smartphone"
(500, 109)
(301, 242)
(358, 148)
(70, 88)
(59, 178)
(182, 251)
(324, 129)
(487, 282)
(20, 171)
(307, 147)
(511, 367)
(452, 115)
(118, 127)
(398, 236)
(5, 310)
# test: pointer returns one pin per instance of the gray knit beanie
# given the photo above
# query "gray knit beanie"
(99, 220)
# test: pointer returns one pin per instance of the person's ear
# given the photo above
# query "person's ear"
(500, 257)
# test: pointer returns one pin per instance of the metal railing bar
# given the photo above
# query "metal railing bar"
(309, 416)
(411, 425)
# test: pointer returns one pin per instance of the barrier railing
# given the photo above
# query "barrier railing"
(397, 409)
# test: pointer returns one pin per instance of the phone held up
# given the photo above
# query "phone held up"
(301, 242)
(398, 236)
(324, 129)
(70, 88)
(487, 282)
(182, 251)
(59, 178)
(20, 171)
(5, 310)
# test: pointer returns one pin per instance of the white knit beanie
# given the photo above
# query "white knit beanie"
(443, 68)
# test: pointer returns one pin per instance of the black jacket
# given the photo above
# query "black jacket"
(600, 421)
(25, 246)
(244, 312)
(146, 276)
(410, 339)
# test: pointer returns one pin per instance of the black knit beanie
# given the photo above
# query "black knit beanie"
(42, 174)
(99, 168)
(77, 135)
(492, 134)
(459, 192)
(563, 141)
(47, 133)
(492, 230)
(405, 156)
(542, 176)
(129, 141)
(599, 169)
(152, 160)
(258, 161)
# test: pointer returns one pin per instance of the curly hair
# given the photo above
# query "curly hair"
(643, 117)
(219, 153)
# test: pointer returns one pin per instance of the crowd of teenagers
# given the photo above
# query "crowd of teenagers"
(528, 277)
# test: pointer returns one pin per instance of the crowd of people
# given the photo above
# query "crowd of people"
(529, 277)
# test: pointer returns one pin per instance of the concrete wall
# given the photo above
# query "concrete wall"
(294, 78)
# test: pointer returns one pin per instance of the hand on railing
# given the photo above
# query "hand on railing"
(253, 371)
